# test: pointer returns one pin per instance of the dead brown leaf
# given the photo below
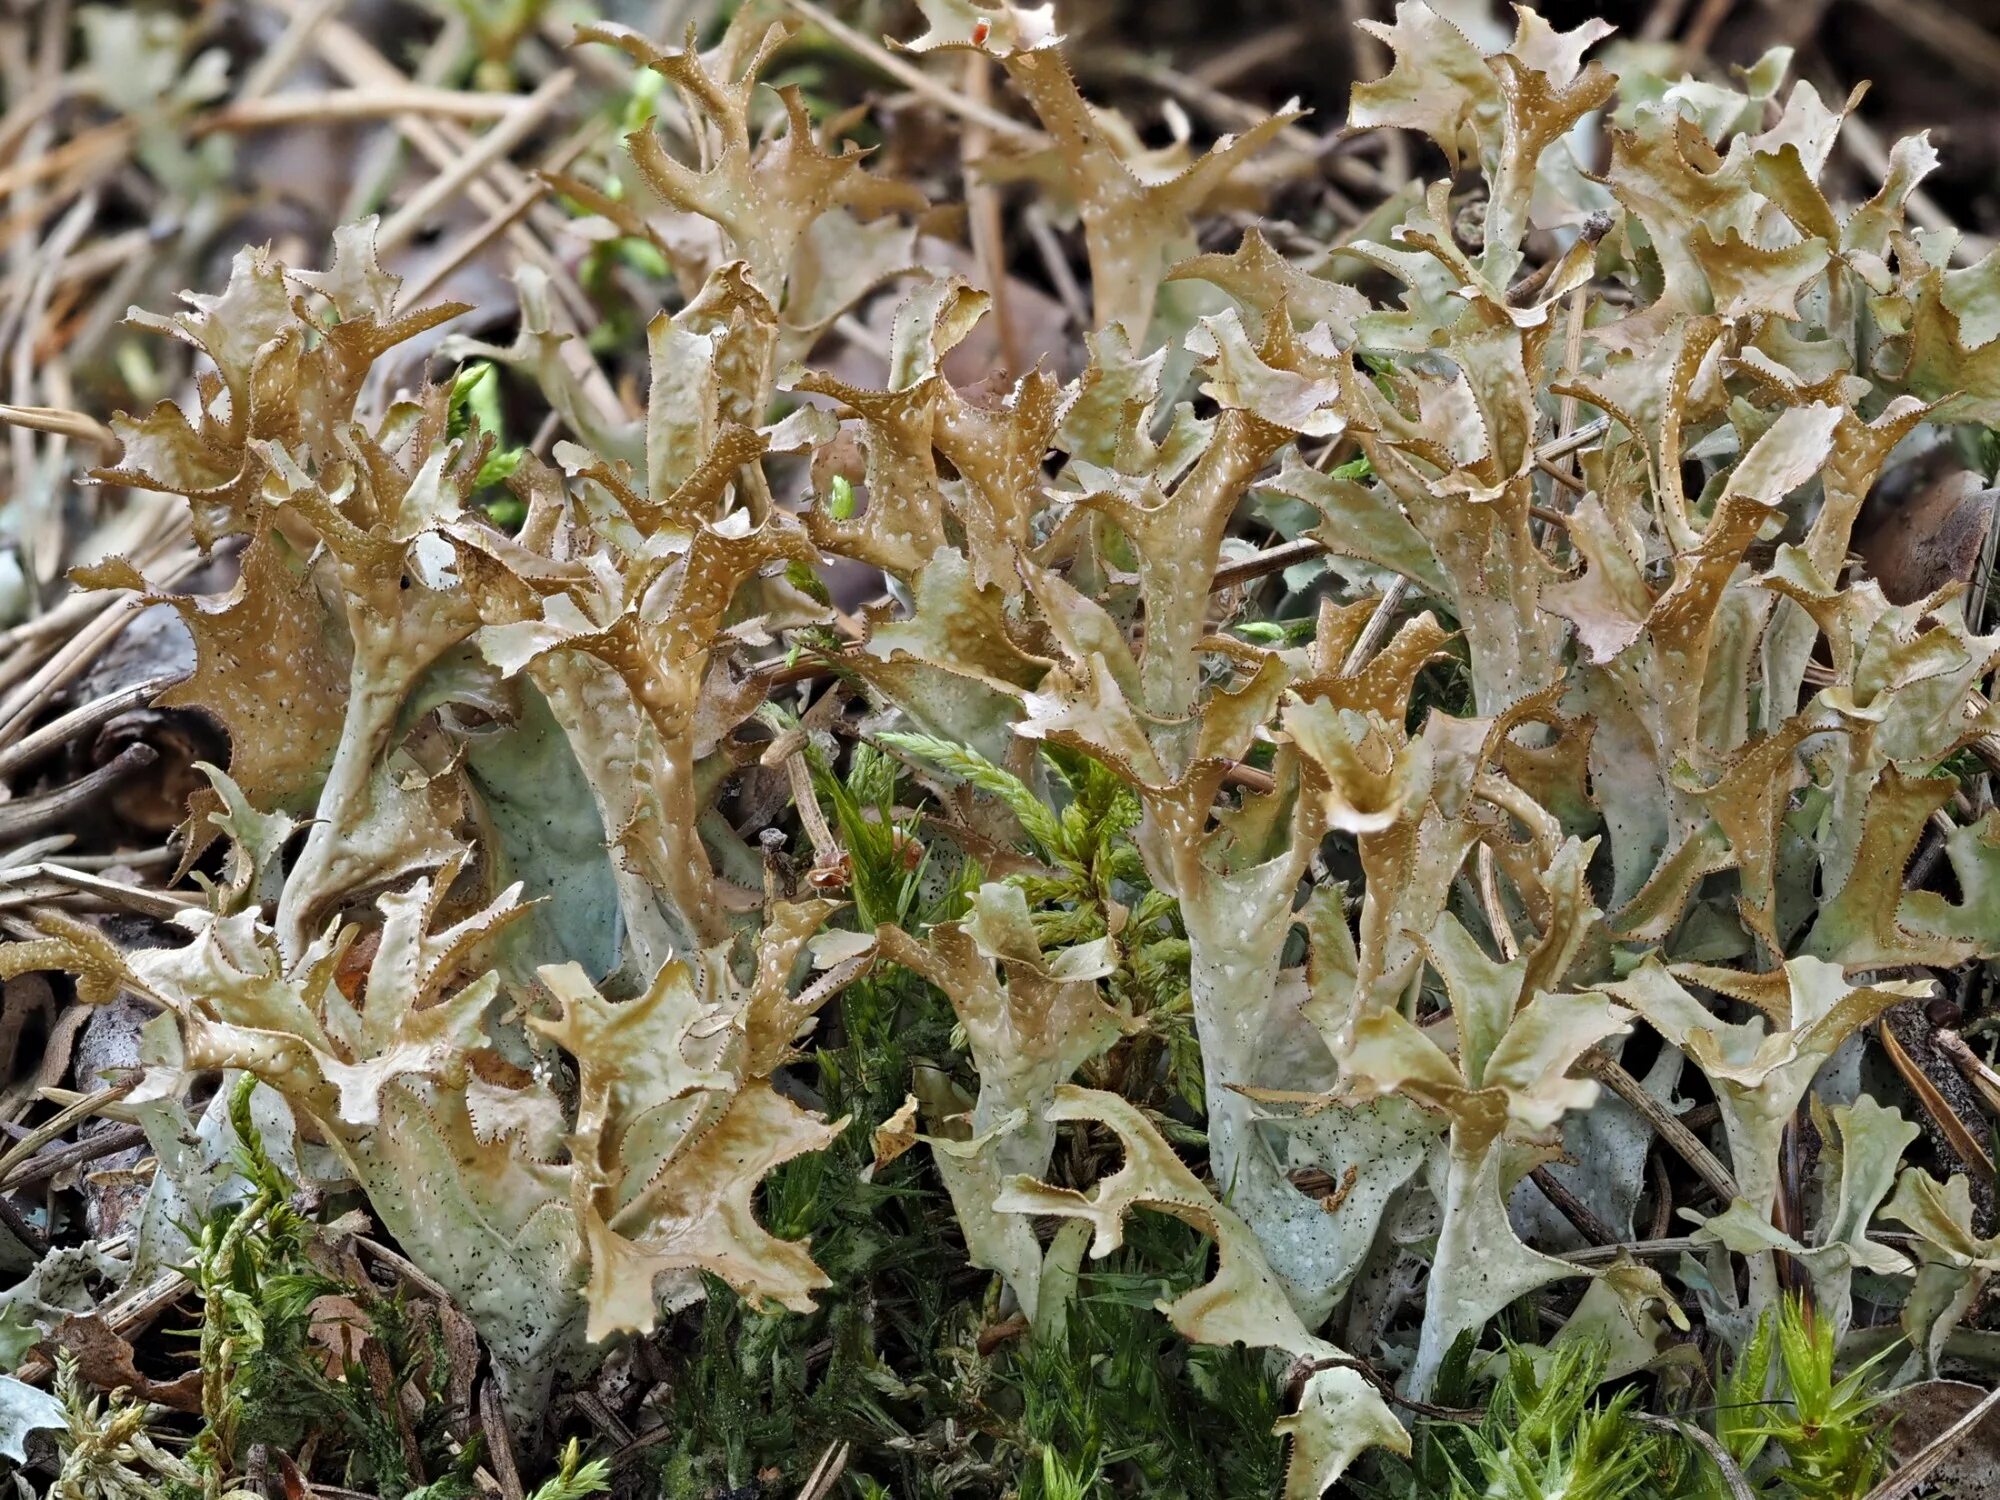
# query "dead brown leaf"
(104, 1359)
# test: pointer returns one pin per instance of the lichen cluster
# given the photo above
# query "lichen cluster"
(1591, 444)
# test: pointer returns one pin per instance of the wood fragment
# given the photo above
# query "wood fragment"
(26, 815)
(499, 1442)
(73, 658)
(1263, 564)
(982, 205)
(503, 218)
(1985, 1082)
(1952, 35)
(1496, 911)
(48, 1164)
(33, 1240)
(343, 105)
(59, 1124)
(69, 424)
(1582, 1218)
(1613, 1075)
(826, 1473)
(80, 721)
(1657, 1249)
(1970, 1150)
(490, 148)
(163, 906)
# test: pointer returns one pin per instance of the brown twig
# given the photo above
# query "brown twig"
(1260, 49)
(1569, 442)
(1377, 629)
(1068, 290)
(443, 143)
(441, 59)
(47, 1164)
(1984, 1080)
(1663, 1195)
(1300, 549)
(82, 647)
(1701, 1116)
(1582, 1218)
(1957, 1134)
(1937, 828)
(1701, 30)
(1573, 321)
(26, 815)
(33, 1240)
(1603, 1255)
(1613, 1075)
(1661, 20)
(115, 895)
(504, 218)
(1224, 110)
(826, 1473)
(80, 721)
(94, 148)
(404, 1267)
(1270, 560)
(602, 1417)
(1982, 572)
(337, 106)
(1564, 478)
(283, 55)
(982, 206)
(1496, 911)
(69, 424)
(1372, 61)
(59, 1124)
(489, 149)
(1249, 778)
(1958, 41)
(499, 1443)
